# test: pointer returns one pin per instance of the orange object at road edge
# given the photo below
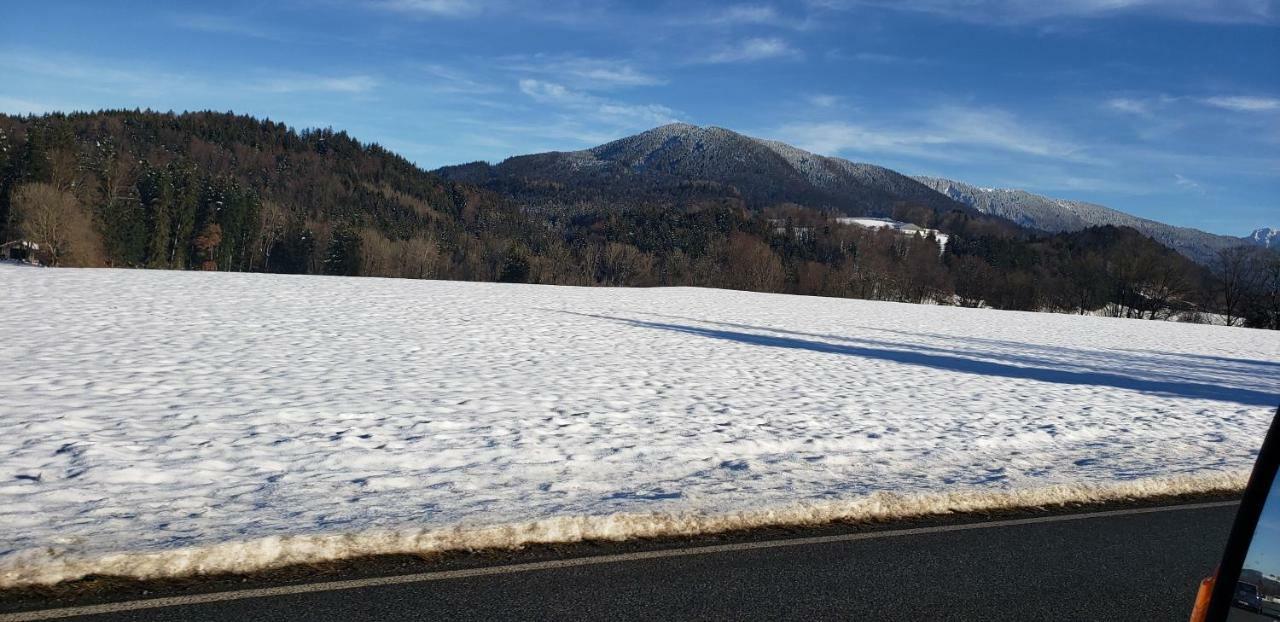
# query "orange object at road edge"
(1201, 609)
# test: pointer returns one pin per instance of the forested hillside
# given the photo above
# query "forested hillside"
(218, 191)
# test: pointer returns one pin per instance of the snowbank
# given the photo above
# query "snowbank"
(48, 566)
(155, 423)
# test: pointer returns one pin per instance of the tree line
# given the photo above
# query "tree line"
(218, 191)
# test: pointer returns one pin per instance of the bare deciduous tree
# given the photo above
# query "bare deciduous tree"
(55, 220)
(1238, 271)
(752, 265)
(1268, 298)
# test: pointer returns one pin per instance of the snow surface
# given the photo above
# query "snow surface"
(154, 423)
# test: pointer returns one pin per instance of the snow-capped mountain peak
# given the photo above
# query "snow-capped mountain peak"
(1266, 237)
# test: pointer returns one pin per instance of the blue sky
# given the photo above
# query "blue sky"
(1169, 110)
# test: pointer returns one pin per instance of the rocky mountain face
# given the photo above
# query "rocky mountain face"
(682, 160)
(1056, 215)
(1266, 237)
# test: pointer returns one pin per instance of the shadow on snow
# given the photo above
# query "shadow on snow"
(933, 360)
(1245, 373)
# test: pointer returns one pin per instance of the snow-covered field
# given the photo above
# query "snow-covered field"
(155, 423)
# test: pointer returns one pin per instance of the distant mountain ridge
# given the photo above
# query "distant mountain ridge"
(1058, 215)
(681, 162)
(685, 157)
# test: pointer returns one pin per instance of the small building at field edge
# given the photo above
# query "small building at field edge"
(25, 251)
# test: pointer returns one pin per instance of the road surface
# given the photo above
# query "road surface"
(1138, 564)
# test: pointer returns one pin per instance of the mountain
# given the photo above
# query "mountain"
(1058, 215)
(680, 160)
(676, 206)
(682, 164)
(1265, 237)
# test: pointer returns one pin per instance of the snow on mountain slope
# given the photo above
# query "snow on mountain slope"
(158, 423)
(905, 228)
(1265, 237)
(1055, 215)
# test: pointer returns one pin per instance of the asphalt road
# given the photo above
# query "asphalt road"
(1105, 566)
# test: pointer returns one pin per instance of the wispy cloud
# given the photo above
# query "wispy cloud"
(223, 25)
(837, 137)
(1057, 179)
(1023, 11)
(1002, 130)
(433, 8)
(582, 72)
(1244, 103)
(515, 137)
(876, 57)
(823, 101)
(15, 105)
(945, 133)
(744, 15)
(603, 109)
(1128, 105)
(756, 49)
(304, 83)
(1187, 183)
(449, 80)
(149, 83)
(1150, 104)
(96, 74)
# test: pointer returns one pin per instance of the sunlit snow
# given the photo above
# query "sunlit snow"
(152, 411)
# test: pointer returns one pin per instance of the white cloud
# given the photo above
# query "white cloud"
(749, 50)
(611, 75)
(945, 133)
(1149, 105)
(139, 84)
(544, 136)
(1021, 11)
(548, 91)
(746, 14)
(1058, 179)
(601, 108)
(449, 80)
(833, 138)
(100, 75)
(17, 106)
(823, 101)
(876, 57)
(743, 15)
(304, 83)
(1244, 103)
(223, 25)
(440, 8)
(998, 129)
(1186, 183)
(1131, 106)
(583, 72)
